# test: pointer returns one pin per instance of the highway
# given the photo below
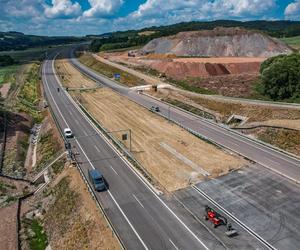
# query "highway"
(268, 157)
(141, 218)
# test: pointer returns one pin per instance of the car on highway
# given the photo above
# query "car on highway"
(97, 180)
(68, 133)
(154, 109)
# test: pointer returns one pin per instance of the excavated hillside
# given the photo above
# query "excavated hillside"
(220, 42)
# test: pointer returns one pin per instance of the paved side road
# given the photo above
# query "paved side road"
(142, 218)
(264, 155)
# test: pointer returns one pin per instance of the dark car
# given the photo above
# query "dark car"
(155, 109)
(97, 180)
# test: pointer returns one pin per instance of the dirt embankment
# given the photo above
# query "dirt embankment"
(171, 155)
(217, 43)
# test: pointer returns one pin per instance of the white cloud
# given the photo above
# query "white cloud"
(62, 9)
(179, 9)
(293, 10)
(24, 8)
(102, 8)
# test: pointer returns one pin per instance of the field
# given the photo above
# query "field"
(27, 55)
(7, 74)
(292, 41)
(71, 77)
(109, 71)
(171, 155)
(220, 59)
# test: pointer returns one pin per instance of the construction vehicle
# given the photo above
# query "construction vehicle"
(218, 220)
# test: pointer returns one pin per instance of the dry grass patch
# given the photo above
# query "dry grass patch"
(71, 77)
(185, 155)
(225, 109)
(73, 220)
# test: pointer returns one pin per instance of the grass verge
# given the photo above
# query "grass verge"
(29, 95)
(109, 71)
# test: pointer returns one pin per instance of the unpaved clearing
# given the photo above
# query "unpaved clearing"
(4, 90)
(221, 59)
(151, 134)
(71, 77)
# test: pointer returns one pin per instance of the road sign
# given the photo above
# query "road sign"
(124, 137)
(117, 76)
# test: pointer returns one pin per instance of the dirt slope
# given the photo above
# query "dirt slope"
(218, 42)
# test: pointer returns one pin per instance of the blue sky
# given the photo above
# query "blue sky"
(81, 17)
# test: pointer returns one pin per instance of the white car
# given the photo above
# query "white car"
(68, 133)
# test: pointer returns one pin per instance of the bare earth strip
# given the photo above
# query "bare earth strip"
(150, 132)
(72, 77)
(221, 59)
(8, 227)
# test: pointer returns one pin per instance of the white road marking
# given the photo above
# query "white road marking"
(139, 177)
(114, 170)
(173, 244)
(138, 200)
(136, 233)
(76, 121)
(97, 148)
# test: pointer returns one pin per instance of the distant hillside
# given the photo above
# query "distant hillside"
(19, 41)
(218, 42)
(129, 38)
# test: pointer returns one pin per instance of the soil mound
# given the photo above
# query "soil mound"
(217, 43)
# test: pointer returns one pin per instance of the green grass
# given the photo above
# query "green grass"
(47, 148)
(33, 54)
(292, 41)
(37, 239)
(29, 95)
(109, 71)
(7, 74)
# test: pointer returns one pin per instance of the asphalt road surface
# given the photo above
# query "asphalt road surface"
(140, 216)
(275, 160)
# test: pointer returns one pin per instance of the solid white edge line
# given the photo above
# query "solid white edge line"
(136, 233)
(131, 168)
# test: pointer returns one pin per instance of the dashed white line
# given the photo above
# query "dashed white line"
(114, 170)
(138, 200)
(131, 226)
(173, 244)
(97, 148)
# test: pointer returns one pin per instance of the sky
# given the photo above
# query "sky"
(82, 17)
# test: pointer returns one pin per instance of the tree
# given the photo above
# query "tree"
(281, 77)
(6, 60)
